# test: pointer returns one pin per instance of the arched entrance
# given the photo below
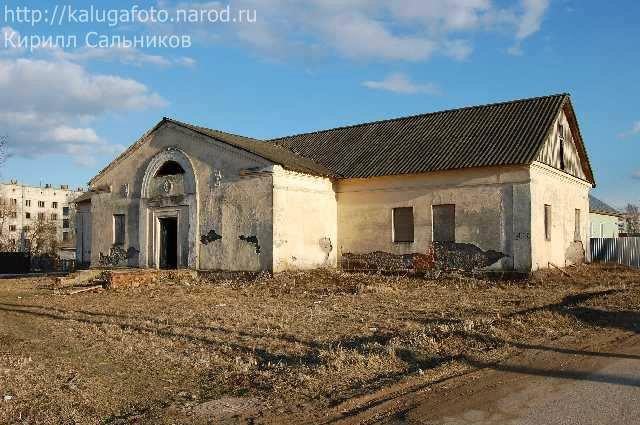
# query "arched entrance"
(169, 212)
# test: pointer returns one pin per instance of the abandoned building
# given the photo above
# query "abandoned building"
(501, 187)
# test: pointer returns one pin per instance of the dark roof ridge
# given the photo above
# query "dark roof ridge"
(505, 102)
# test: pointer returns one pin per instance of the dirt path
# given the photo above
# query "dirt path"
(596, 381)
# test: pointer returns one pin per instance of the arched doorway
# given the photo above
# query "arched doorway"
(169, 212)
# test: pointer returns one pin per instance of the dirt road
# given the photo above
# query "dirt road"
(544, 385)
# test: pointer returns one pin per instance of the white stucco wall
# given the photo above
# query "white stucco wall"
(492, 211)
(304, 221)
(565, 194)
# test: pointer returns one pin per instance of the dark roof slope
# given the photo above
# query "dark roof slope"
(597, 206)
(268, 151)
(505, 133)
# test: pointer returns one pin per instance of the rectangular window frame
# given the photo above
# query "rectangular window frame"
(577, 230)
(435, 232)
(400, 236)
(119, 229)
(547, 222)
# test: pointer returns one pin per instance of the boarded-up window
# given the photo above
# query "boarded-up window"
(547, 222)
(403, 224)
(118, 229)
(444, 223)
(576, 232)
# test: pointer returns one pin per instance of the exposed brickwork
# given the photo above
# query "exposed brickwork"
(128, 278)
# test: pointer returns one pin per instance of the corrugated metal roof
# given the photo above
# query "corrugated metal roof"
(598, 206)
(506, 133)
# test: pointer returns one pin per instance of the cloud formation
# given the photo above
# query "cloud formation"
(54, 104)
(401, 84)
(404, 30)
(121, 54)
(633, 131)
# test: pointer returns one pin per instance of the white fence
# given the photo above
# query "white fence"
(616, 250)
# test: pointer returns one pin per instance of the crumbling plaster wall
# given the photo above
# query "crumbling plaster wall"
(305, 221)
(564, 193)
(492, 211)
(228, 203)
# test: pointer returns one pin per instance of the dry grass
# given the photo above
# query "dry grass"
(296, 341)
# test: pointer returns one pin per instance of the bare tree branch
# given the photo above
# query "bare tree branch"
(632, 218)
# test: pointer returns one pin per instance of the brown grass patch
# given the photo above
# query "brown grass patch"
(295, 341)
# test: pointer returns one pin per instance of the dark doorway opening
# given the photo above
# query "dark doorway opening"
(169, 243)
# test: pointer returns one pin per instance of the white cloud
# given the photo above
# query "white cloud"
(529, 23)
(361, 37)
(50, 106)
(400, 83)
(121, 54)
(531, 19)
(73, 135)
(633, 131)
(636, 175)
(398, 30)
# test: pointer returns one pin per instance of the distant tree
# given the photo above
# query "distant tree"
(43, 237)
(632, 218)
(7, 211)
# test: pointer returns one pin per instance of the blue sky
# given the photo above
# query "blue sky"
(317, 64)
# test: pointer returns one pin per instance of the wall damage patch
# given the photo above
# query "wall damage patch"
(441, 256)
(212, 236)
(252, 240)
(119, 257)
(326, 246)
(575, 253)
(463, 256)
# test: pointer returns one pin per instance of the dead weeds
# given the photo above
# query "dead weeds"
(168, 352)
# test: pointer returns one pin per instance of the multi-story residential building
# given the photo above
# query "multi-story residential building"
(25, 205)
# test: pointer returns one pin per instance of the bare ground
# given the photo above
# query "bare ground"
(301, 347)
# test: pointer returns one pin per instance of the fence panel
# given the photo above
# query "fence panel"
(23, 263)
(616, 250)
